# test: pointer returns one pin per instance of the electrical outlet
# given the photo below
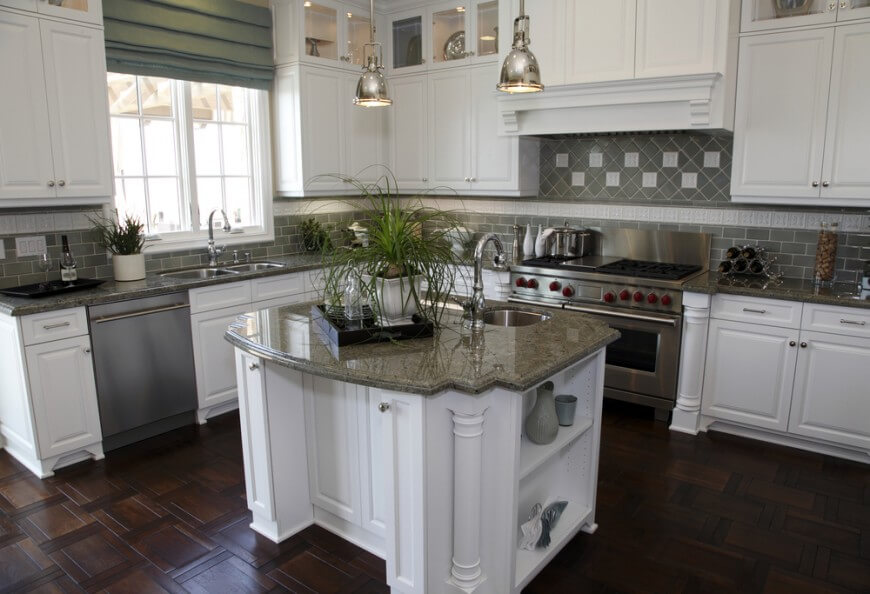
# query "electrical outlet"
(670, 159)
(32, 245)
(596, 159)
(578, 178)
(650, 180)
(612, 178)
(561, 159)
(632, 159)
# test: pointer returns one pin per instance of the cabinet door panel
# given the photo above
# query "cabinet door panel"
(373, 466)
(408, 132)
(25, 143)
(831, 398)
(493, 157)
(366, 134)
(599, 41)
(322, 128)
(75, 83)
(547, 37)
(675, 37)
(448, 125)
(749, 373)
(64, 393)
(848, 129)
(782, 93)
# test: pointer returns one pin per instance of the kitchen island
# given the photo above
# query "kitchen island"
(414, 450)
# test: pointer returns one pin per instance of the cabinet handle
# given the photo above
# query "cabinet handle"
(55, 326)
(61, 183)
(425, 179)
(87, 350)
(832, 6)
(791, 343)
(51, 183)
(815, 184)
(825, 184)
(758, 311)
(383, 407)
(803, 345)
(853, 322)
(843, 4)
(474, 179)
(467, 179)
(253, 366)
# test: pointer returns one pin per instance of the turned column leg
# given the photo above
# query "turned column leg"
(696, 314)
(466, 571)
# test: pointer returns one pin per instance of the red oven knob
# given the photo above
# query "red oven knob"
(521, 282)
(638, 296)
(555, 286)
(666, 300)
(624, 294)
(609, 297)
(532, 283)
(652, 298)
(568, 291)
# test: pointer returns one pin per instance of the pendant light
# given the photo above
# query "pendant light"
(520, 73)
(371, 90)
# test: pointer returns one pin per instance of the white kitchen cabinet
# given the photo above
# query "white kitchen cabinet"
(831, 398)
(86, 11)
(323, 132)
(749, 373)
(600, 41)
(760, 15)
(547, 20)
(801, 123)
(409, 132)
(54, 148)
(677, 37)
(365, 134)
(64, 396)
(449, 118)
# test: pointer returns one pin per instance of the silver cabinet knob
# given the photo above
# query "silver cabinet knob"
(791, 343)
(87, 350)
(51, 183)
(803, 345)
(832, 6)
(383, 407)
(253, 366)
(425, 179)
(815, 184)
(474, 179)
(61, 183)
(467, 179)
(825, 184)
(843, 4)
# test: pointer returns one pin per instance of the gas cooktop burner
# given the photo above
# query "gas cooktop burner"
(642, 269)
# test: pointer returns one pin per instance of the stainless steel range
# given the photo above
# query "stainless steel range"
(634, 283)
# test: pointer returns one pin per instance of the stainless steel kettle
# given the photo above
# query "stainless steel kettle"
(567, 241)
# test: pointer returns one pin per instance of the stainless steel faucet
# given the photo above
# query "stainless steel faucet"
(474, 318)
(214, 252)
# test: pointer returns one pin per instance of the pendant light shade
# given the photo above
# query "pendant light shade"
(520, 72)
(371, 90)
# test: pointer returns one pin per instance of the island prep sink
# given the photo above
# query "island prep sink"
(199, 273)
(254, 266)
(509, 317)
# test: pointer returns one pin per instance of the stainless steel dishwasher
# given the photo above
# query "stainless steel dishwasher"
(143, 361)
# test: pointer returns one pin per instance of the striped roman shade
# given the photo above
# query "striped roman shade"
(217, 41)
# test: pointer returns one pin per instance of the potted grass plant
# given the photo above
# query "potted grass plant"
(408, 249)
(125, 240)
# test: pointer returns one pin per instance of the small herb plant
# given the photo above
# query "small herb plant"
(121, 238)
(314, 237)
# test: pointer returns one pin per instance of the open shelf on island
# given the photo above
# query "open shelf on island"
(529, 563)
(533, 455)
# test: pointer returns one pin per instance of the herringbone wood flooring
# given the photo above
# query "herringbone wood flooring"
(676, 514)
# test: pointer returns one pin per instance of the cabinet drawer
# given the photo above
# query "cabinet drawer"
(219, 296)
(771, 312)
(851, 321)
(273, 287)
(54, 325)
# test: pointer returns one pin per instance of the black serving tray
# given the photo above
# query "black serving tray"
(55, 287)
(341, 332)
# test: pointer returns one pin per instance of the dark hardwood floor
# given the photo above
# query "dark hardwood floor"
(676, 514)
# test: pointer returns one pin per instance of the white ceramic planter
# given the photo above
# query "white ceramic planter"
(394, 294)
(129, 268)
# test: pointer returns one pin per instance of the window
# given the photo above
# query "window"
(182, 149)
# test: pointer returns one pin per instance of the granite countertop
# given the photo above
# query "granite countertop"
(789, 289)
(455, 358)
(151, 285)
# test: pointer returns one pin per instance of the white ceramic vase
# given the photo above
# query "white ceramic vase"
(129, 268)
(394, 296)
(542, 424)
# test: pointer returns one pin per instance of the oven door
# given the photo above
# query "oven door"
(642, 364)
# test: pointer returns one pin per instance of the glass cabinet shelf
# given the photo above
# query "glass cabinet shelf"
(321, 28)
(487, 28)
(448, 35)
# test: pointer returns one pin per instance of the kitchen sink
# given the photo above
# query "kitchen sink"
(509, 317)
(199, 273)
(254, 266)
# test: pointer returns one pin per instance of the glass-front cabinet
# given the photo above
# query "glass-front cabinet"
(323, 32)
(443, 35)
(86, 11)
(356, 27)
(759, 15)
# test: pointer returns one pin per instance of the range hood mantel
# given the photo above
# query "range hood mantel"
(690, 102)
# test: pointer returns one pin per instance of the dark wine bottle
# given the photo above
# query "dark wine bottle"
(733, 252)
(740, 265)
(748, 252)
(756, 266)
(725, 266)
(68, 273)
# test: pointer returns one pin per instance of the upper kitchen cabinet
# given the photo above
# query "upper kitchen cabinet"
(54, 137)
(443, 35)
(599, 41)
(676, 37)
(85, 11)
(801, 125)
(408, 132)
(320, 32)
(760, 15)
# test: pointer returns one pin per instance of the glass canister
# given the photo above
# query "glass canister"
(826, 255)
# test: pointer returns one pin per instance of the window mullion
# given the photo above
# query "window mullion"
(145, 185)
(188, 157)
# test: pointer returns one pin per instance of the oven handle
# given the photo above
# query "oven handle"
(513, 299)
(619, 314)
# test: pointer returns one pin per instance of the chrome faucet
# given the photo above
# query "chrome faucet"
(474, 318)
(214, 252)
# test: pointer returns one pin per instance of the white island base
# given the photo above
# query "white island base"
(435, 485)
